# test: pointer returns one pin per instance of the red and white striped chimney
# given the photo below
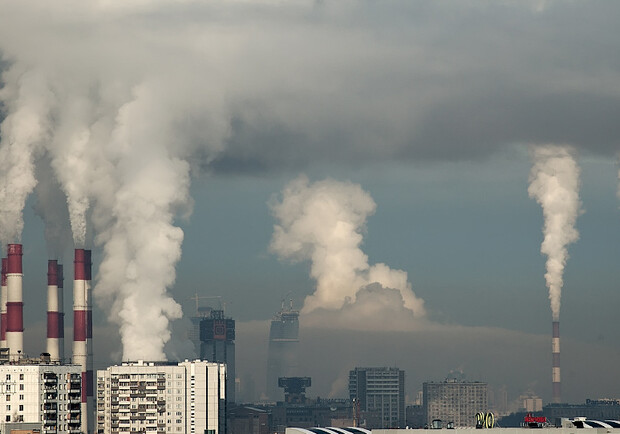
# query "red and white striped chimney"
(14, 303)
(89, 339)
(555, 369)
(54, 308)
(3, 297)
(82, 331)
(61, 312)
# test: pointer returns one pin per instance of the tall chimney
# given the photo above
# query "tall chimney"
(555, 370)
(3, 295)
(89, 339)
(82, 331)
(14, 303)
(61, 312)
(53, 312)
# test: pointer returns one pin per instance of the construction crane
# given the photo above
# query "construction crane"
(196, 298)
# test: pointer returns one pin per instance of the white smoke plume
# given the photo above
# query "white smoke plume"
(323, 222)
(24, 131)
(121, 118)
(554, 184)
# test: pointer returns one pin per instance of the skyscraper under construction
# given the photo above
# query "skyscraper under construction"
(282, 359)
(217, 344)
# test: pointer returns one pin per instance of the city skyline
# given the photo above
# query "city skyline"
(429, 109)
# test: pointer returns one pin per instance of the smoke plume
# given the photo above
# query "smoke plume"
(554, 184)
(119, 130)
(323, 222)
(24, 131)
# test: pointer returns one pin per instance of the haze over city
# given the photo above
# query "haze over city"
(391, 167)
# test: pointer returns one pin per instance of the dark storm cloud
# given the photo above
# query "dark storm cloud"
(440, 81)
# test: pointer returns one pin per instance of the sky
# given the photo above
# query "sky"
(222, 127)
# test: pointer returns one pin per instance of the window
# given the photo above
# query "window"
(21, 387)
(21, 397)
(8, 408)
(21, 408)
(8, 418)
(21, 376)
(8, 376)
(8, 397)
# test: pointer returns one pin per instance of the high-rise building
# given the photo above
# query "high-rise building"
(455, 401)
(283, 349)
(217, 344)
(202, 312)
(161, 397)
(35, 391)
(379, 395)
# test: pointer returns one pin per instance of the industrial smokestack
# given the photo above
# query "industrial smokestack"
(89, 337)
(54, 322)
(14, 303)
(82, 330)
(61, 312)
(555, 370)
(3, 298)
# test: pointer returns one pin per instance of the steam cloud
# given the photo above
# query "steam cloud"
(119, 96)
(323, 222)
(113, 131)
(554, 184)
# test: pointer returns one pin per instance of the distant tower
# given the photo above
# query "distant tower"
(283, 348)
(217, 344)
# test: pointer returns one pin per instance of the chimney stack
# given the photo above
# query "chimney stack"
(14, 303)
(61, 312)
(555, 370)
(54, 311)
(82, 330)
(3, 297)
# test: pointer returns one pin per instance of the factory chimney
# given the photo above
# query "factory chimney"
(61, 312)
(14, 303)
(82, 331)
(555, 370)
(3, 295)
(55, 320)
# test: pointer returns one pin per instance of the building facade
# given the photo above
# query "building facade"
(217, 344)
(454, 401)
(379, 394)
(41, 393)
(160, 397)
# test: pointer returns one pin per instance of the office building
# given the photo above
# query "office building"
(35, 391)
(282, 358)
(455, 401)
(379, 395)
(217, 344)
(161, 397)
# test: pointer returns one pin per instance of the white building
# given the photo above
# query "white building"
(38, 392)
(162, 397)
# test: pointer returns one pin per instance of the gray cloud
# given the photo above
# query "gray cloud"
(519, 361)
